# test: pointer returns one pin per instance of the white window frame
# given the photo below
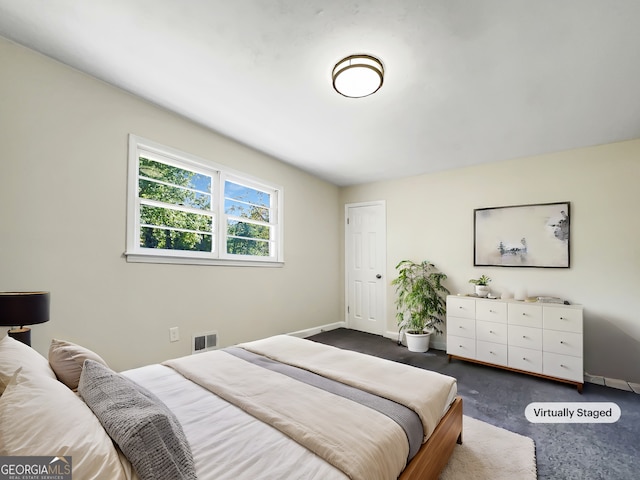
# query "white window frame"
(219, 173)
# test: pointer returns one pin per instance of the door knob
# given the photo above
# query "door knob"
(378, 276)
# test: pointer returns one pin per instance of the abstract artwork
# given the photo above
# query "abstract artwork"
(522, 236)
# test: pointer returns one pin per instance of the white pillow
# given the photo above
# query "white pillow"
(15, 354)
(66, 360)
(41, 416)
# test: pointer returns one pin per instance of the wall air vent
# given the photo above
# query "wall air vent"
(203, 342)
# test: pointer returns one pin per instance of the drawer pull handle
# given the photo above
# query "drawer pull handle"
(490, 331)
(562, 318)
(491, 311)
(491, 353)
(460, 346)
(523, 314)
(563, 366)
(524, 336)
(524, 358)
(561, 342)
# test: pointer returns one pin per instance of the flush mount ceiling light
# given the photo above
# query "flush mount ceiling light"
(358, 76)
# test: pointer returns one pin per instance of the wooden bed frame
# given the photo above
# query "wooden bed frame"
(434, 455)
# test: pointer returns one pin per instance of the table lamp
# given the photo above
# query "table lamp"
(23, 308)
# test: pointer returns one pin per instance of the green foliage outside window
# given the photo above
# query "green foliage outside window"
(168, 226)
(169, 219)
(246, 237)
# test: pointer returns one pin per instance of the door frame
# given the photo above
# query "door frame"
(382, 328)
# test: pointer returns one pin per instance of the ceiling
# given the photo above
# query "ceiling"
(466, 81)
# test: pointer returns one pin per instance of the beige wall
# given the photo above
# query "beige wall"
(431, 217)
(63, 166)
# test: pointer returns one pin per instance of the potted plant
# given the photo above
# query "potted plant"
(420, 302)
(482, 289)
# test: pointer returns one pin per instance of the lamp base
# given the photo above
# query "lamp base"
(21, 334)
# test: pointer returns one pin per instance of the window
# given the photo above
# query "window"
(186, 210)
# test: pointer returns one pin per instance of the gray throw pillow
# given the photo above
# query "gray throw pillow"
(146, 431)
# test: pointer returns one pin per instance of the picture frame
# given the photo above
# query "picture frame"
(535, 235)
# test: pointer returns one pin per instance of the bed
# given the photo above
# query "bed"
(281, 407)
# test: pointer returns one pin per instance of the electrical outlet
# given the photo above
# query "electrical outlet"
(174, 334)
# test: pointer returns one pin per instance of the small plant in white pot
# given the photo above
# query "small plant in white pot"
(420, 302)
(482, 285)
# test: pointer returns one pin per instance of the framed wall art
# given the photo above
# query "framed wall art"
(522, 236)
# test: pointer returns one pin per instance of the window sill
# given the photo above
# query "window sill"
(175, 260)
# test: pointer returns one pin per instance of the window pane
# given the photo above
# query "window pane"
(246, 202)
(166, 217)
(238, 209)
(246, 194)
(247, 230)
(162, 238)
(245, 246)
(174, 175)
(173, 195)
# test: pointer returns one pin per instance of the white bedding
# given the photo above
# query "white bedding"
(424, 391)
(228, 443)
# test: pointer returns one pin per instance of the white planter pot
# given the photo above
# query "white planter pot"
(418, 342)
(482, 290)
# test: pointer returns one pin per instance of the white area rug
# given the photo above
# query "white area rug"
(491, 453)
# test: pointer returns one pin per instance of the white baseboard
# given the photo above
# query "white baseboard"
(612, 382)
(315, 330)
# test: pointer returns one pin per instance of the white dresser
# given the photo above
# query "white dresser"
(542, 339)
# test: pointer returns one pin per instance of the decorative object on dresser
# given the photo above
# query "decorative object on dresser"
(482, 285)
(420, 302)
(550, 300)
(522, 236)
(542, 339)
(18, 309)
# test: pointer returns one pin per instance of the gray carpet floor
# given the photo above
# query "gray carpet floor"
(499, 397)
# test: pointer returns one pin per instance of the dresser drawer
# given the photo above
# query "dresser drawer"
(491, 311)
(564, 343)
(525, 315)
(491, 352)
(461, 307)
(562, 366)
(461, 327)
(461, 346)
(562, 318)
(526, 337)
(525, 359)
(491, 332)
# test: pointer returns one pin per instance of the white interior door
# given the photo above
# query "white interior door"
(365, 267)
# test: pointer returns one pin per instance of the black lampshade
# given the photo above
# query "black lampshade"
(23, 308)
